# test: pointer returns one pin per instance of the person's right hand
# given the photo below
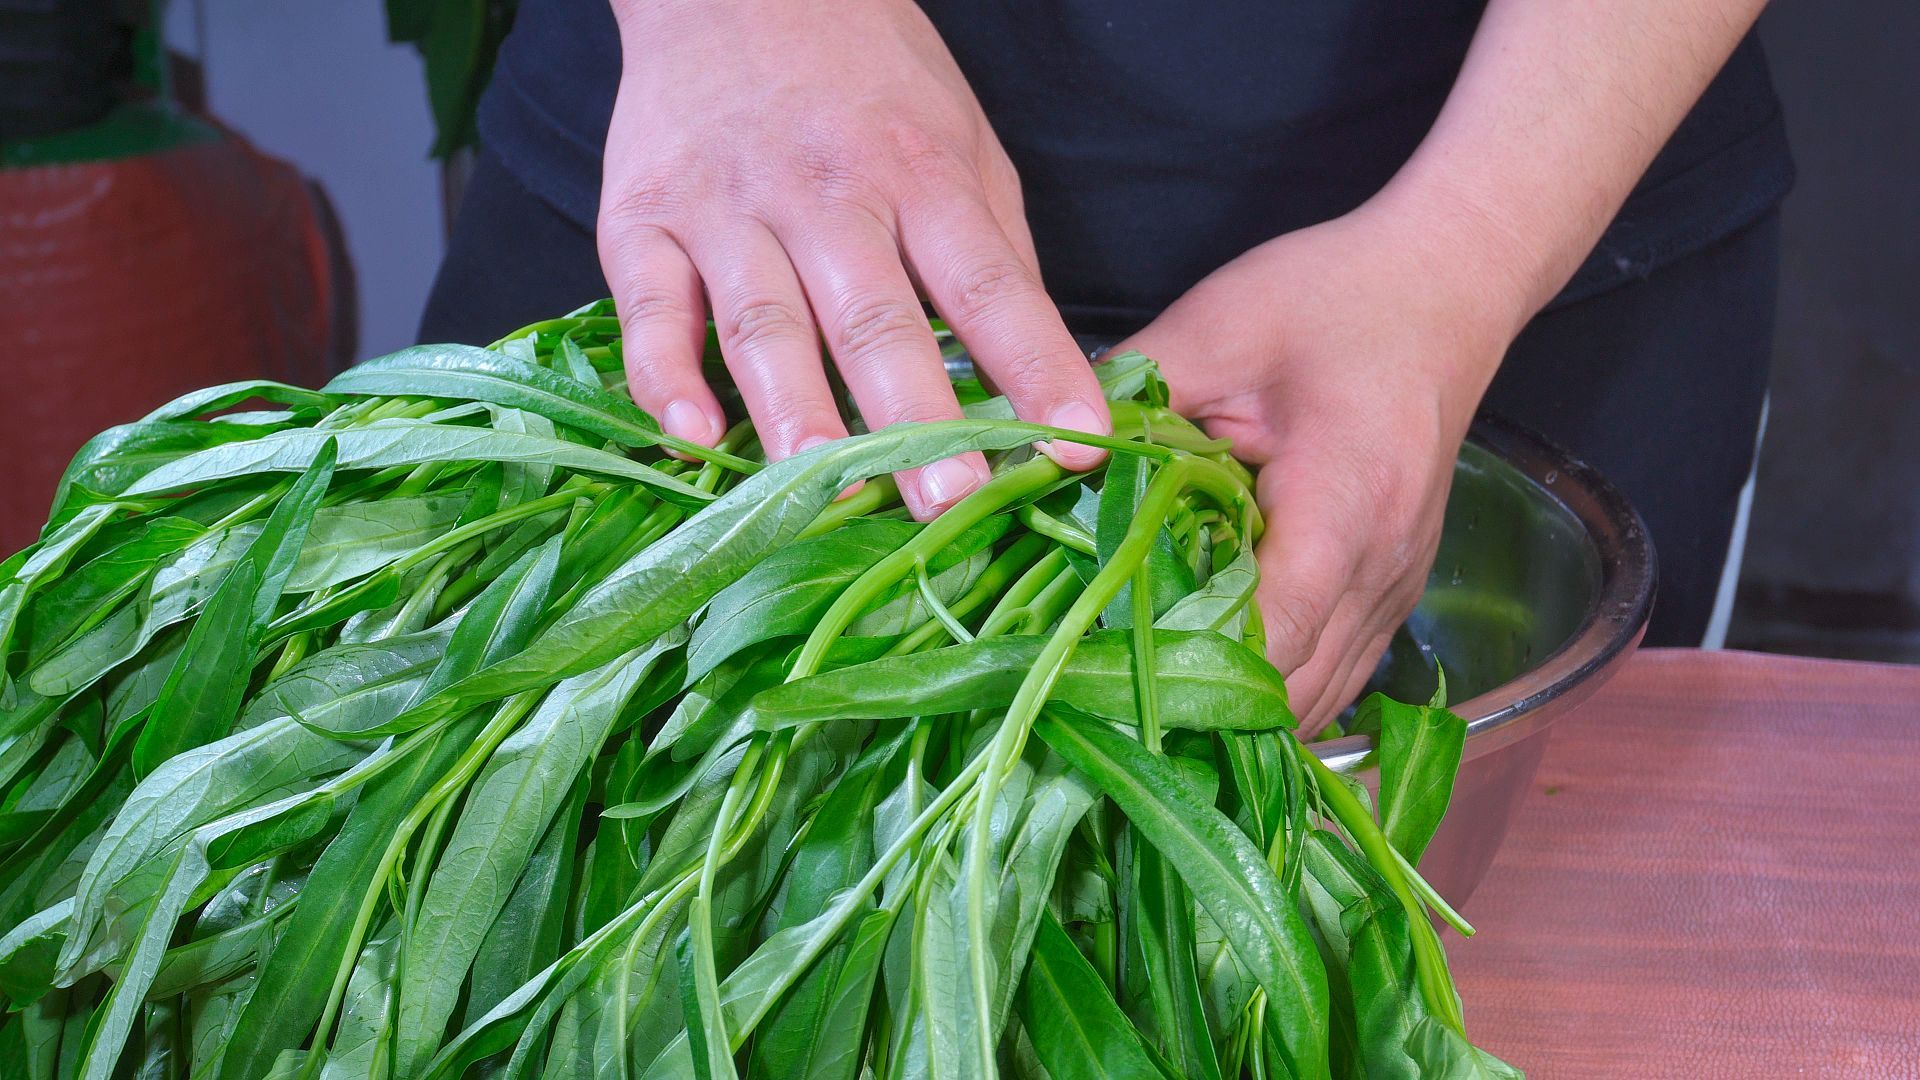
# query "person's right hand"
(788, 170)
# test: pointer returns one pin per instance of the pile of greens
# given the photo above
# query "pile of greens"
(443, 723)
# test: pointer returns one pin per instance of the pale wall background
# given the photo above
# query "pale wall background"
(316, 83)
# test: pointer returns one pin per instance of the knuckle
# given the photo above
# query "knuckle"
(1025, 372)
(647, 305)
(878, 327)
(647, 198)
(785, 422)
(1398, 564)
(763, 322)
(831, 171)
(1402, 601)
(1003, 179)
(923, 155)
(985, 285)
(1374, 480)
(917, 409)
(625, 243)
(824, 166)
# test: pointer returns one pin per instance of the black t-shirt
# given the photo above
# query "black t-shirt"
(1156, 141)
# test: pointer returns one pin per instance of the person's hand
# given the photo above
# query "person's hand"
(1345, 362)
(801, 175)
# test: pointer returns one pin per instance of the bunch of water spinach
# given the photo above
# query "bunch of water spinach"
(441, 722)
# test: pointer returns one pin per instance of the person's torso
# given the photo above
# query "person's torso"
(1157, 141)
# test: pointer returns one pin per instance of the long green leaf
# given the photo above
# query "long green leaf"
(367, 1024)
(1420, 747)
(42, 565)
(296, 979)
(186, 791)
(1443, 1055)
(1365, 930)
(530, 931)
(352, 685)
(465, 373)
(500, 621)
(508, 808)
(79, 600)
(788, 591)
(806, 1034)
(180, 586)
(202, 698)
(176, 878)
(1160, 976)
(1077, 1030)
(1206, 683)
(225, 396)
(119, 457)
(390, 443)
(290, 997)
(1220, 604)
(1227, 874)
(353, 539)
(665, 584)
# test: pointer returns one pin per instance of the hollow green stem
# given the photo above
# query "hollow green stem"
(936, 606)
(995, 495)
(1012, 605)
(1145, 689)
(1426, 892)
(1064, 533)
(1154, 506)
(706, 975)
(1050, 603)
(1430, 963)
(994, 581)
(876, 494)
(479, 527)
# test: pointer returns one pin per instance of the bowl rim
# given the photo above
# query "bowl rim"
(1614, 623)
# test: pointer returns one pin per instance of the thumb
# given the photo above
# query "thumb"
(1178, 341)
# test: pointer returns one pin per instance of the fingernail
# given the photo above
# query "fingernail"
(945, 482)
(688, 421)
(812, 441)
(1077, 416)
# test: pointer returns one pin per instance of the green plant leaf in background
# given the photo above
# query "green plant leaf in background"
(458, 40)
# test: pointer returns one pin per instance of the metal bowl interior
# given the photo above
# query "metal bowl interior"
(1542, 586)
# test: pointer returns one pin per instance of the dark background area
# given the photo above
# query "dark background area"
(1833, 556)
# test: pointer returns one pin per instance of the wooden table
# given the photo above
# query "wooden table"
(1717, 874)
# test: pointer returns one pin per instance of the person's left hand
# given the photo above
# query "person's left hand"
(1345, 362)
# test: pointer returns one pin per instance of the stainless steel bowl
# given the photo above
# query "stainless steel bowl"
(1542, 587)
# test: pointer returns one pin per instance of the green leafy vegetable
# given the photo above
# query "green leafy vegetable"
(455, 721)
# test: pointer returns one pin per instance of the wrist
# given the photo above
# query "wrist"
(1505, 269)
(667, 21)
(1458, 287)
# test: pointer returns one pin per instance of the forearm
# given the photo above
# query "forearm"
(1557, 112)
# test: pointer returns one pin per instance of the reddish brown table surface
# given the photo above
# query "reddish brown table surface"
(1716, 874)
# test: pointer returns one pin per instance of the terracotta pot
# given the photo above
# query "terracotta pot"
(126, 283)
